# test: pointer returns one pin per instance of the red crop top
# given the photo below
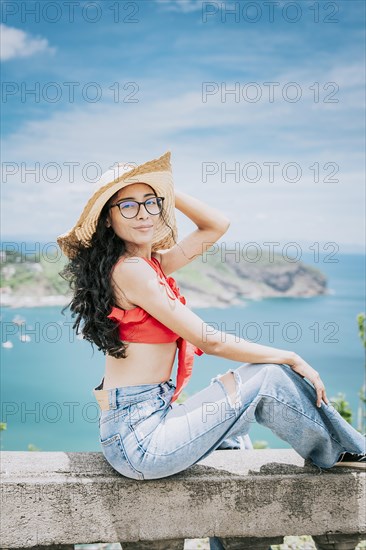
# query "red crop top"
(137, 325)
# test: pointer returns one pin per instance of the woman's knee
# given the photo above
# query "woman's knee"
(277, 372)
(233, 380)
(248, 370)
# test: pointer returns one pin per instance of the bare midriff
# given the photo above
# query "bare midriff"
(144, 364)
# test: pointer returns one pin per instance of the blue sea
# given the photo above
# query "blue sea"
(47, 382)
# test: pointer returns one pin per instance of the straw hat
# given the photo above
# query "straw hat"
(157, 173)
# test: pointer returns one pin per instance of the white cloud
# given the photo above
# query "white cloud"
(230, 132)
(183, 6)
(16, 43)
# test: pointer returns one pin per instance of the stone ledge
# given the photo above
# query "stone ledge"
(77, 498)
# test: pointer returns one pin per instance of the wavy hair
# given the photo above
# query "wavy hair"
(88, 275)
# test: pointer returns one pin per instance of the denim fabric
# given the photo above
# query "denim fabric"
(145, 436)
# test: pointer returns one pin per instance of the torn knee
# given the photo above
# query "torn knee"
(231, 386)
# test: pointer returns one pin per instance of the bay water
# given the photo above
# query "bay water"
(47, 382)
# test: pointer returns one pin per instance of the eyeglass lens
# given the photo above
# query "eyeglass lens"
(129, 209)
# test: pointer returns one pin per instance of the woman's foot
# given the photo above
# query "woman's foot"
(349, 460)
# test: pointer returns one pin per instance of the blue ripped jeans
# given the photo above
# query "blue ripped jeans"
(145, 436)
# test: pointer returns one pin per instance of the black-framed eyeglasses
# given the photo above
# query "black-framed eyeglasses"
(130, 209)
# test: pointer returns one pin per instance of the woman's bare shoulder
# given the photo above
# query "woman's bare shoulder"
(118, 268)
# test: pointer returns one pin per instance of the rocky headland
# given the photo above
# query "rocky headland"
(210, 281)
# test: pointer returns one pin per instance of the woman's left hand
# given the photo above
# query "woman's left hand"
(305, 370)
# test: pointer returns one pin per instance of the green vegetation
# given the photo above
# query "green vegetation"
(339, 402)
(260, 444)
(51, 273)
(342, 406)
(33, 272)
(362, 392)
(3, 427)
(32, 447)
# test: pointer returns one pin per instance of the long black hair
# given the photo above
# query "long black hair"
(88, 275)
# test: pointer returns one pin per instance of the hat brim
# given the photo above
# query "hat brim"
(158, 174)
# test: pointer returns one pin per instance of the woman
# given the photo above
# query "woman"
(122, 250)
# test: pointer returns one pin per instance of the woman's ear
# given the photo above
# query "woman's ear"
(107, 222)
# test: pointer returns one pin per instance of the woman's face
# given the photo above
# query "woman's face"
(127, 229)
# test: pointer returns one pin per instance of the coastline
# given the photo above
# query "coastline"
(195, 299)
(14, 302)
(213, 284)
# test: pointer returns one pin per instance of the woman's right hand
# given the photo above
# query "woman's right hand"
(305, 370)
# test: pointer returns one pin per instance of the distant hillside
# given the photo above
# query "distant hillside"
(216, 282)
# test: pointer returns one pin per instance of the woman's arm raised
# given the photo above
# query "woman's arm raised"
(211, 225)
(202, 214)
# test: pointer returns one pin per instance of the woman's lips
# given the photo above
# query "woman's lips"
(143, 228)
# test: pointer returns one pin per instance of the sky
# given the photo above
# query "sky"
(260, 103)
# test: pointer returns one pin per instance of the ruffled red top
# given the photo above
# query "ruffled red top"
(137, 325)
